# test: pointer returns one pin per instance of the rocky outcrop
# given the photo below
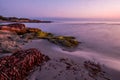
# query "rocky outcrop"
(16, 27)
(19, 65)
(19, 28)
(9, 42)
(33, 30)
(65, 41)
(32, 33)
(43, 35)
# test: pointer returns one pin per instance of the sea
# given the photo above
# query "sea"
(100, 40)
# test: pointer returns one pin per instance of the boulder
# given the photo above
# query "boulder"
(13, 27)
(65, 41)
(43, 35)
(33, 30)
(10, 42)
(16, 27)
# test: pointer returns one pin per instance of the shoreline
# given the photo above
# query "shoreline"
(56, 55)
(68, 62)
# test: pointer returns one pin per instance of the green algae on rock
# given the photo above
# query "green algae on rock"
(43, 35)
(64, 41)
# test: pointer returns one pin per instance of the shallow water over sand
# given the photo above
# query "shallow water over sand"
(100, 42)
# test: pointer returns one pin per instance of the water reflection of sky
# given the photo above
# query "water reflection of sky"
(102, 39)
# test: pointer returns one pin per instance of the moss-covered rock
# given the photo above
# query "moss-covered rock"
(28, 30)
(32, 30)
(43, 35)
(64, 41)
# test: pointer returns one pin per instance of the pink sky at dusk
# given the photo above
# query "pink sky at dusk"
(61, 8)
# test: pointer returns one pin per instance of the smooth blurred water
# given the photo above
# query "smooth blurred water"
(100, 41)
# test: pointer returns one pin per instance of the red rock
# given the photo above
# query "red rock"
(13, 27)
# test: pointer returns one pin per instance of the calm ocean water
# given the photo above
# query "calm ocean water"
(100, 41)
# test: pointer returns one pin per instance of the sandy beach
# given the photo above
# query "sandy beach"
(95, 58)
(56, 69)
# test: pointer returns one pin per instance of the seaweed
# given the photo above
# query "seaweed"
(19, 65)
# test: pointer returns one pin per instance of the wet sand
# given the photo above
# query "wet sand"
(56, 69)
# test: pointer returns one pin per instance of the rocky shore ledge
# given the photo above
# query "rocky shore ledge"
(18, 33)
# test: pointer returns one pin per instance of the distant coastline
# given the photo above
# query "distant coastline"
(21, 20)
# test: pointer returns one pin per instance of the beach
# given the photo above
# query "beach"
(60, 40)
(56, 70)
(95, 57)
(100, 42)
(100, 39)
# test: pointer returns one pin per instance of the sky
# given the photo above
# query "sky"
(61, 8)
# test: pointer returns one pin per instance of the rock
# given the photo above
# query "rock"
(9, 42)
(19, 65)
(35, 33)
(16, 27)
(64, 41)
(43, 35)
(32, 33)
(13, 27)
(28, 36)
(19, 28)
(33, 30)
